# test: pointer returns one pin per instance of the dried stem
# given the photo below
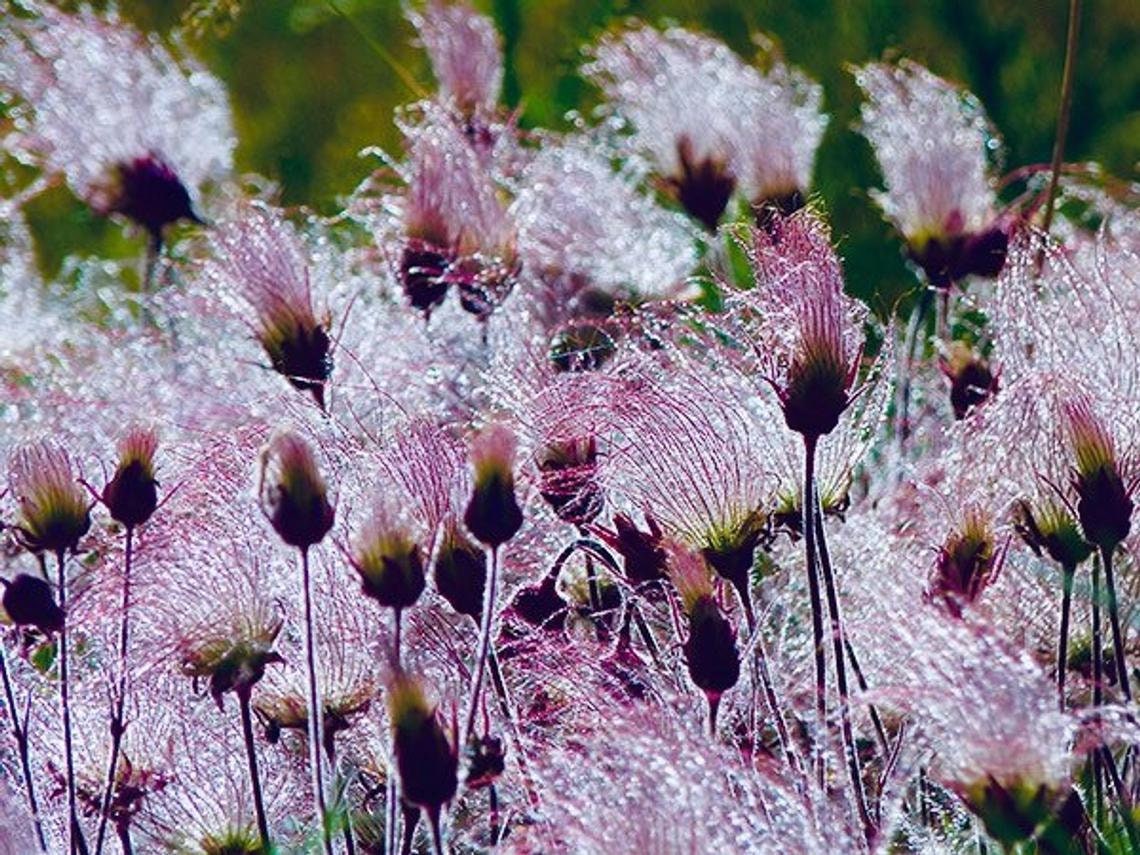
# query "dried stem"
(837, 636)
(1064, 108)
(254, 778)
(76, 843)
(816, 609)
(117, 724)
(484, 644)
(1068, 571)
(21, 736)
(314, 705)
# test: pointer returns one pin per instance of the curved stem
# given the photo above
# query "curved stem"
(861, 682)
(76, 843)
(1064, 108)
(769, 691)
(314, 705)
(117, 725)
(1114, 621)
(1068, 572)
(816, 609)
(512, 723)
(254, 778)
(21, 737)
(1098, 694)
(837, 636)
(484, 644)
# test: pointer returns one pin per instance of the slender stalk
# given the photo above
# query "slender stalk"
(837, 636)
(1098, 694)
(775, 709)
(1064, 108)
(816, 608)
(254, 778)
(861, 682)
(21, 736)
(1068, 572)
(75, 843)
(910, 347)
(411, 818)
(1114, 620)
(436, 836)
(390, 794)
(117, 725)
(493, 814)
(396, 627)
(508, 714)
(314, 705)
(123, 832)
(484, 644)
(341, 793)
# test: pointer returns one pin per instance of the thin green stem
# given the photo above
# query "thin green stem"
(254, 777)
(1098, 694)
(117, 723)
(314, 722)
(1114, 621)
(484, 645)
(820, 656)
(21, 737)
(1068, 572)
(1064, 109)
(837, 636)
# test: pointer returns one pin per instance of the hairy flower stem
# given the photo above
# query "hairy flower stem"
(816, 610)
(775, 709)
(508, 714)
(484, 645)
(861, 682)
(1114, 620)
(123, 832)
(436, 835)
(1098, 694)
(117, 724)
(76, 843)
(1064, 108)
(837, 636)
(314, 722)
(391, 796)
(1068, 572)
(19, 731)
(254, 777)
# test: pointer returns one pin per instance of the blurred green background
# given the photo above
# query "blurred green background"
(312, 83)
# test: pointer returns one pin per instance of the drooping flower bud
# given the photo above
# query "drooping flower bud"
(493, 515)
(460, 572)
(643, 555)
(423, 269)
(702, 186)
(389, 561)
(148, 191)
(426, 759)
(131, 495)
(967, 563)
(29, 601)
(1104, 503)
(232, 658)
(1049, 527)
(730, 551)
(972, 381)
(569, 479)
(293, 494)
(53, 509)
(539, 605)
(710, 650)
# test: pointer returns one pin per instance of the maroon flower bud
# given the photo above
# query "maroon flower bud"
(972, 382)
(643, 554)
(730, 553)
(1104, 500)
(54, 510)
(539, 605)
(710, 650)
(460, 573)
(1051, 529)
(131, 495)
(493, 515)
(569, 479)
(149, 192)
(29, 601)
(293, 494)
(427, 762)
(484, 760)
(423, 270)
(389, 563)
(967, 563)
(703, 187)
(769, 211)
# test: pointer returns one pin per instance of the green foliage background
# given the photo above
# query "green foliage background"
(312, 83)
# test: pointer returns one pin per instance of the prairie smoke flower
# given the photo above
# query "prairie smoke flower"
(465, 54)
(934, 146)
(388, 560)
(808, 335)
(293, 493)
(710, 650)
(493, 515)
(425, 757)
(28, 601)
(131, 495)
(584, 229)
(1104, 496)
(54, 513)
(261, 258)
(460, 572)
(133, 129)
(456, 231)
(972, 379)
(967, 562)
(1047, 525)
(709, 123)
